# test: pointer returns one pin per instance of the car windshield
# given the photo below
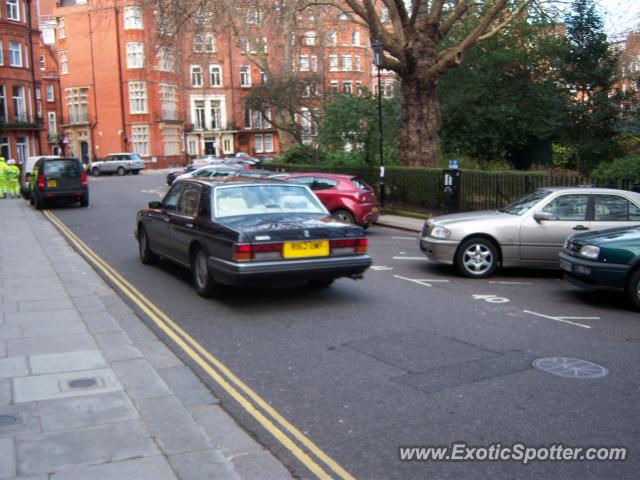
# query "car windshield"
(523, 204)
(66, 168)
(135, 156)
(260, 199)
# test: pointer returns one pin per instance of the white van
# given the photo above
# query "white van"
(25, 172)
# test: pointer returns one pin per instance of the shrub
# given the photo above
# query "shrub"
(625, 168)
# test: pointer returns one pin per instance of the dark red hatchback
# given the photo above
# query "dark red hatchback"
(348, 198)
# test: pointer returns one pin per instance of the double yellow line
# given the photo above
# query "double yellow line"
(287, 434)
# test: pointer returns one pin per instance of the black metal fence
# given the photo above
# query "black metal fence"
(422, 189)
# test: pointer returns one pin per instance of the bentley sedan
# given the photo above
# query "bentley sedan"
(245, 231)
(529, 232)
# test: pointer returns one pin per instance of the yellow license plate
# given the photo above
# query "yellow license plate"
(374, 209)
(52, 183)
(319, 248)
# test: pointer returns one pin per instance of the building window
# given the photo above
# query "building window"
(78, 105)
(310, 38)
(38, 93)
(216, 115)
(166, 59)
(22, 149)
(343, 16)
(133, 18)
(334, 86)
(253, 16)
(346, 63)
(358, 63)
(332, 37)
(15, 54)
(308, 122)
(245, 76)
(358, 87)
(135, 54)
(137, 97)
(171, 141)
(1, 53)
(49, 93)
(19, 104)
(304, 63)
(4, 147)
(196, 76)
(199, 121)
(169, 101)
(209, 43)
(64, 63)
(347, 87)
(42, 64)
(3, 104)
(198, 43)
(314, 63)
(140, 139)
(192, 146)
(13, 10)
(264, 143)
(227, 144)
(387, 89)
(333, 63)
(61, 30)
(256, 119)
(215, 72)
(52, 123)
(355, 37)
(263, 77)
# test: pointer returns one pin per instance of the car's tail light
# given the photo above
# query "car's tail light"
(83, 179)
(242, 253)
(257, 251)
(41, 181)
(348, 246)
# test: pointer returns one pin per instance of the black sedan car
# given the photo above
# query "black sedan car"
(245, 231)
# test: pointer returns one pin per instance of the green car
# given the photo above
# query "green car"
(607, 259)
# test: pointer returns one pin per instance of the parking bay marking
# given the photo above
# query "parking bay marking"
(411, 258)
(564, 319)
(246, 397)
(510, 283)
(491, 298)
(380, 268)
(425, 282)
(404, 238)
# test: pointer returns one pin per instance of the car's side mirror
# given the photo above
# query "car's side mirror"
(155, 205)
(541, 216)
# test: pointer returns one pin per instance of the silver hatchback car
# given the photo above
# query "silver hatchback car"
(528, 232)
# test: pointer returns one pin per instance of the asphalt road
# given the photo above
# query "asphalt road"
(413, 355)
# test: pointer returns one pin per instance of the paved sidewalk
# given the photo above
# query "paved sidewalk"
(87, 391)
(403, 223)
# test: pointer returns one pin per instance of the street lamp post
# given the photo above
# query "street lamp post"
(378, 61)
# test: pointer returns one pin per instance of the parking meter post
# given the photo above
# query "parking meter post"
(452, 190)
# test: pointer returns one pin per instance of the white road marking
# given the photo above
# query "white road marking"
(380, 268)
(491, 298)
(564, 319)
(404, 238)
(426, 282)
(510, 283)
(411, 258)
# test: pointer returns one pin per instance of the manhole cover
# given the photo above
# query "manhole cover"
(7, 420)
(570, 367)
(82, 383)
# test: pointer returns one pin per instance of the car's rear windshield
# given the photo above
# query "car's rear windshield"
(523, 204)
(63, 168)
(361, 185)
(231, 201)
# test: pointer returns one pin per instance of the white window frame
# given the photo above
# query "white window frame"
(355, 37)
(263, 143)
(64, 63)
(304, 63)
(335, 86)
(168, 101)
(209, 43)
(13, 10)
(140, 139)
(138, 104)
(357, 63)
(313, 61)
(78, 104)
(347, 64)
(347, 87)
(1, 53)
(50, 93)
(332, 37)
(135, 55)
(245, 76)
(52, 123)
(133, 18)
(19, 103)
(166, 59)
(62, 33)
(333, 63)
(196, 76)
(310, 38)
(171, 141)
(215, 73)
(15, 54)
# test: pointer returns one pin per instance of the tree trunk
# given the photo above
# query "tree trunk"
(419, 137)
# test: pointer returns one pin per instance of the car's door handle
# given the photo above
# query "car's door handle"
(580, 227)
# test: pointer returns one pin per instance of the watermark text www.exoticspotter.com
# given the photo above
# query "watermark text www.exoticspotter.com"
(516, 452)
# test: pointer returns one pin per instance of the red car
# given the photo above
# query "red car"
(347, 198)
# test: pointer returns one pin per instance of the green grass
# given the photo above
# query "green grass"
(407, 213)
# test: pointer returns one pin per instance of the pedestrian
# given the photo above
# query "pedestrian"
(3, 178)
(12, 176)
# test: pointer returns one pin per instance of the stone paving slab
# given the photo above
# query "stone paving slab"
(7, 458)
(34, 346)
(66, 362)
(140, 379)
(149, 468)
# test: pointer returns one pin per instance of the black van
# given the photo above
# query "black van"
(58, 179)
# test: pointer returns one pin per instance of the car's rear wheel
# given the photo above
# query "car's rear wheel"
(633, 288)
(202, 281)
(95, 171)
(477, 258)
(147, 257)
(121, 171)
(344, 216)
(321, 283)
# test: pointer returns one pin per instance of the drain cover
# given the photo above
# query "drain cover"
(7, 420)
(82, 383)
(570, 367)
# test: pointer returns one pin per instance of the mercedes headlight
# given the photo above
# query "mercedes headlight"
(439, 232)
(590, 251)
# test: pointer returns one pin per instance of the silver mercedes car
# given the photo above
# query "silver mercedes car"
(529, 232)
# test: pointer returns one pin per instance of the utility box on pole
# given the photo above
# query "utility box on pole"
(452, 178)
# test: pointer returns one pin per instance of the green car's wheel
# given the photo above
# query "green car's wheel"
(633, 288)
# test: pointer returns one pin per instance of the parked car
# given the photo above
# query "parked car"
(120, 163)
(529, 232)
(243, 231)
(348, 198)
(241, 162)
(209, 171)
(26, 170)
(58, 179)
(608, 259)
(171, 176)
